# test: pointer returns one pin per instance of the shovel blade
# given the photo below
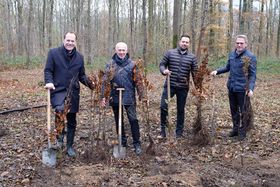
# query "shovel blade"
(119, 152)
(49, 157)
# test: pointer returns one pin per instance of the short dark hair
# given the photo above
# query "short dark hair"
(70, 32)
(185, 36)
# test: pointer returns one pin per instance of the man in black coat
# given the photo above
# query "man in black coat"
(178, 63)
(65, 65)
(122, 68)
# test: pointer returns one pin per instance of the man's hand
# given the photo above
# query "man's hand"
(49, 86)
(166, 72)
(213, 73)
(103, 102)
(92, 85)
(250, 93)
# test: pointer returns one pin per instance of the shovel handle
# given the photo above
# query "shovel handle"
(49, 115)
(120, 116)
(168, 104)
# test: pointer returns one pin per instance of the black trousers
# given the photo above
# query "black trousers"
(236, 102)
(181, 98)
(133, 121)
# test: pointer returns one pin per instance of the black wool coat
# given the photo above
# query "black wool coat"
(62, 67)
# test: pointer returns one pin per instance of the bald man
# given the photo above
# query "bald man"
(123, 73)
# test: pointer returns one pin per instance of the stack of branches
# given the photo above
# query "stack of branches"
(247, 113)
(201, 91)
(143, 87)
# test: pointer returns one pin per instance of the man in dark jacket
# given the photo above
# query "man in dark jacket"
(178, 63)
(121, 70)
(241, 82)
(65, 65)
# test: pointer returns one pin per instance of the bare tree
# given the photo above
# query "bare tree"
(28, 43)
(177, 12)
(278, 34)
(144, 22)
(50, 23)
(230, 27)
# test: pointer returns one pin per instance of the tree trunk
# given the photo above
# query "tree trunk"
(131, 26)
(20, 31)
(202, 29)
(176, 21)
(50, 24)
(193, 24)
(144, 22)
(230, 28)
(28, 43)
(88, 34)
(278, 35)
(211, 42)
(260, 29)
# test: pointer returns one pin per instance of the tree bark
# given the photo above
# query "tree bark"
(176, 21)
(144, 22)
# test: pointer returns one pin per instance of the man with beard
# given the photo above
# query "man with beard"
(177, 63)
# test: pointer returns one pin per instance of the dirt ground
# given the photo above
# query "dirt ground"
(223, 162)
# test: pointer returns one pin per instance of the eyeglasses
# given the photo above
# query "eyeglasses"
(239, 43)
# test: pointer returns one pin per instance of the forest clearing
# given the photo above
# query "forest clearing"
(223, 162)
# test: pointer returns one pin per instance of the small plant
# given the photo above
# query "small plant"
(247, 112)
(200, 91)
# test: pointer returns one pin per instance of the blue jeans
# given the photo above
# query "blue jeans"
(181, 98)
(133, 121)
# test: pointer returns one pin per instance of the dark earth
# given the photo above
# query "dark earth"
(223, 161)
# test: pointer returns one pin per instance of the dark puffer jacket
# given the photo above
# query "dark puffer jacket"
(122, 78)
(181, 65)
(237, 81)
(60, 69)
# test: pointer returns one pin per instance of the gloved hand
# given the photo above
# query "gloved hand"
(213, 73)
(49, 86)
(250, 93)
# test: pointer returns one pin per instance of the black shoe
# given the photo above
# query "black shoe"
(242, 136)
(138, 149)
(233, 133)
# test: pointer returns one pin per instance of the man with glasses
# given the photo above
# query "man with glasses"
(241, 66)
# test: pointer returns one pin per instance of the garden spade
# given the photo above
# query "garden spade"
(119, 151)
(49, 154)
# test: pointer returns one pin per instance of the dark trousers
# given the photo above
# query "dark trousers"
(133, 121)
(181, 98)
(71, 126)
(236, 102)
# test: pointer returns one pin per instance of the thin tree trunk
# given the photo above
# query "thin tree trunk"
(230, 29)
(193, 24)
(278, 35)
(28, 44)
(144, 22)
(88, 33)
(176, 21)
(260, 29)
(50, 24)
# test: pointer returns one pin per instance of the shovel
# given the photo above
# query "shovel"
(49, 154)
(168, 109)
(119, 151)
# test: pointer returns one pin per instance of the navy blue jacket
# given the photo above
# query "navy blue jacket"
(60, 70)
(122, 78)
(237, 81)
(180, 65)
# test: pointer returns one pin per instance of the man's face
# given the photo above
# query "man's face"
(184, 43)
(121, 50)
(70, 41)
(240, 44)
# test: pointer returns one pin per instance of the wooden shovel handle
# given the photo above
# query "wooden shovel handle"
(49, 115)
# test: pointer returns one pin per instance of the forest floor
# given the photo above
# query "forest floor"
(223, 162)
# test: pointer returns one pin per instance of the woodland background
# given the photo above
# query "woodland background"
(29, 28)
